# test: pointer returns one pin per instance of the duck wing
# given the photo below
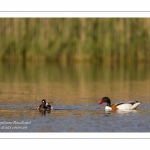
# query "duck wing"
(129, 102)
(132, 102)
(128, 105)
(117, 104)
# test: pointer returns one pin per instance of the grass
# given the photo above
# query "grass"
(75, 39)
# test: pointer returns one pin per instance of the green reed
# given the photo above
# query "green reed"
(75, 39)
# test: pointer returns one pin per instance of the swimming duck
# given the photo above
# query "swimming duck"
(45, 106)
(131, 105)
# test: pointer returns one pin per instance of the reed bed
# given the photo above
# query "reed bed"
(75, 39)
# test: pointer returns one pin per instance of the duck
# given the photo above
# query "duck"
(130, 105)
(45, 106)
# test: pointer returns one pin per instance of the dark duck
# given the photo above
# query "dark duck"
(45, 106)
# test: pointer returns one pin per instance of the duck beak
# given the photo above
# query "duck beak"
(101, 101)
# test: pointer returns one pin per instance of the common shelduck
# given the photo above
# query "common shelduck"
(131, 105)
(45, 106)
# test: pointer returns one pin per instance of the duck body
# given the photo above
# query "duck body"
(45, 106)
(131, 105)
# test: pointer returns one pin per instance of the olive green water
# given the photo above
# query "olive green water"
(74, 91)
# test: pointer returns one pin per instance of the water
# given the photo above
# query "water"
(74, 91)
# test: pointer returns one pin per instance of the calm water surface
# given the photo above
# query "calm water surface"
(74, 91)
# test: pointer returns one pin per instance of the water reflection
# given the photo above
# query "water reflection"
(108, 111)
(120, 111)
(44, 112)
(75, 90)
(126, 111)
(73, 84)
(73, 72)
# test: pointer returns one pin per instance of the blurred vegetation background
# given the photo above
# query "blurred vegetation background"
(75, 39)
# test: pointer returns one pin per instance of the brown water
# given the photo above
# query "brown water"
(74, 91)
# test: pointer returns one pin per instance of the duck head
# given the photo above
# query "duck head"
(43, 102)
(105, 100)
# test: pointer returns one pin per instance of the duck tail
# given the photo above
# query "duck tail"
(137, 103)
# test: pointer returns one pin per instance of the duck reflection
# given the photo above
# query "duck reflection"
(120, 111)
(44, 112)
(126, 111)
